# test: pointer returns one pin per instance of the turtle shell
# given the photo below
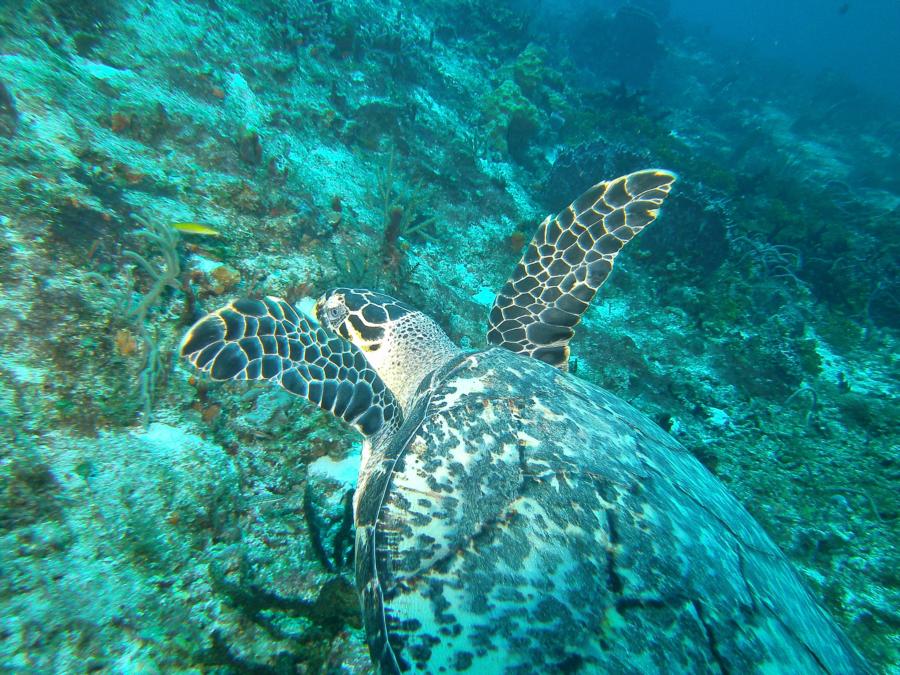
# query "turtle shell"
(526, 521)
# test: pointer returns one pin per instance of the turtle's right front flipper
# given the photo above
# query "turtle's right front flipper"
(571, 255)
(269, 340)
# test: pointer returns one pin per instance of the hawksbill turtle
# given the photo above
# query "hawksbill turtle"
(511, 517)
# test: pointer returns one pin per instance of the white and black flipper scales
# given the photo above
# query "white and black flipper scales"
(269, 340)
(568, 259)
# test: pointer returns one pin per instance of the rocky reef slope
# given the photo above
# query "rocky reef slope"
(151, 521)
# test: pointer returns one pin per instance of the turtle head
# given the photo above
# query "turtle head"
(402, 344)
(362, 317)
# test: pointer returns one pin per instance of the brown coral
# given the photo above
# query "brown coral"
(119, 122)
(224, 278)
(125, 342)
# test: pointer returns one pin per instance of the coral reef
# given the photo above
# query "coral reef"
(150, 521)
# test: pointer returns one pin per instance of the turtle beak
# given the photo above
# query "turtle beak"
(317, 308)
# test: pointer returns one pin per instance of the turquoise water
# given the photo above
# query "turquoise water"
(153, 521)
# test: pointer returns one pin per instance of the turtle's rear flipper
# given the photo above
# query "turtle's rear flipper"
(569, 258)
(269, 340)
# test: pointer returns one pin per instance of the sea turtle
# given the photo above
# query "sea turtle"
(511, 517)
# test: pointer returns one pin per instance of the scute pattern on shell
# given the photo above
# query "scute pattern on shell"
(525, 521)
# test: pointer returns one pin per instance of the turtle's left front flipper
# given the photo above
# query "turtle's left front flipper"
(569, 258)
(269, 340)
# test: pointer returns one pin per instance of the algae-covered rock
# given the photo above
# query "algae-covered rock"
(531, 73)
(112, 521)
(9, 118)
(511, 119)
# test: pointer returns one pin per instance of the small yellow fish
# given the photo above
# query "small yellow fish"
(196, 228)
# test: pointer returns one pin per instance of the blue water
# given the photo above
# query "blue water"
(160, 159)
(857, 40)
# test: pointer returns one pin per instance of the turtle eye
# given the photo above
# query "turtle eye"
(334, 314)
